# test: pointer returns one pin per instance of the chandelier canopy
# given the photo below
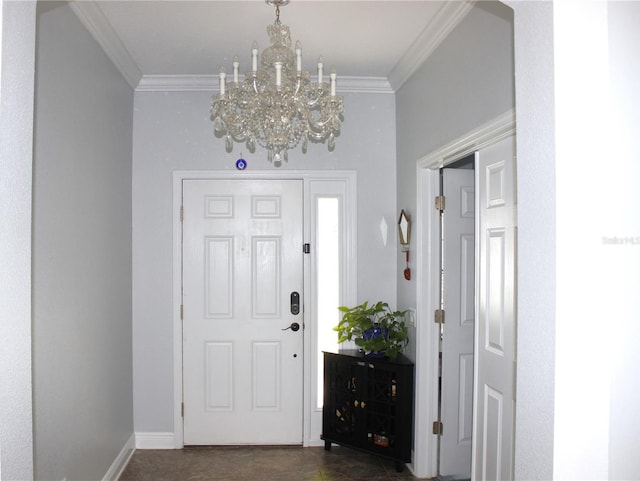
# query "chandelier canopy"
(277, 105)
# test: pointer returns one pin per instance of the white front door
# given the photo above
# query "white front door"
(456, 402)
(242, 267)
(496, 320)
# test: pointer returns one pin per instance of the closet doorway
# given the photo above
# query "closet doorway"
(445, 426)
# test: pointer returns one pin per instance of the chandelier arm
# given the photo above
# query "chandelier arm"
(317, 125)
(313, 102)
(320, 124)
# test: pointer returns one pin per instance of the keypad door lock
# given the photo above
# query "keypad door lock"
(295, 303)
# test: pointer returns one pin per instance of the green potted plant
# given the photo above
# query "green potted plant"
(375, 329)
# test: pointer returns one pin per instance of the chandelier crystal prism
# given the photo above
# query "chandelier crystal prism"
(278, 105)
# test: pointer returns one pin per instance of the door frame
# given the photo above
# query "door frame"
(425, 458)
(349, 273)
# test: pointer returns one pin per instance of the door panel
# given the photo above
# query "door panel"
(458, 225)
(219, 376)
(495, 341)
(242, 257)
(266, 379)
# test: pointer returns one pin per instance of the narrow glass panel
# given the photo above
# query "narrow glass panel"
(328, 281)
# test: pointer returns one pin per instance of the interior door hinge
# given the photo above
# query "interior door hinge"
(182, 312)
(437, 428)
(440, 202)
(182, 410)
(181, 213)
(306, 248)
(438, 317)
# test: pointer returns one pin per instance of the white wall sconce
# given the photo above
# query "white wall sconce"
(383, 231)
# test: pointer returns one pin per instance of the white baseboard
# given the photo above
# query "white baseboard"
(121, 461)
(167, 441)
(155, 441)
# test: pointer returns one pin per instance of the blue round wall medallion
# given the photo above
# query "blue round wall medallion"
(241, 164)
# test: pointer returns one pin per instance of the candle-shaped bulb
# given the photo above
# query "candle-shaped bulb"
(236, 65)
(222, 76)
(320, 60)
(278, 66)
(254, 56)
(298, 57)
(333, 76)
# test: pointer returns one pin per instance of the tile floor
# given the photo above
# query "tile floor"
(259, 463)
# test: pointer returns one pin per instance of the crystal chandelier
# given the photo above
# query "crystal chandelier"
(277, 105)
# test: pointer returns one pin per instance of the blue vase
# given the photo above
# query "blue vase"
(373, 333)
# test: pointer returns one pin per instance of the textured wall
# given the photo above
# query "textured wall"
(536, 239)
(83, 402)
(17, 31)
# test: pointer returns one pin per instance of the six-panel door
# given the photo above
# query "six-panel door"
(242, 258)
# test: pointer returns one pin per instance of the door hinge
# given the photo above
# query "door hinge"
(182, 410)
(440, 202)
(182, 312)
(437, 428)
(306, 248)
(181, 213)
(438, 317)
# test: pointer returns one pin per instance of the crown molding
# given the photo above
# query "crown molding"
(89, 13)
(364, 85)
(210, 83)
(177, 83)
(444, 21)
(94, 20)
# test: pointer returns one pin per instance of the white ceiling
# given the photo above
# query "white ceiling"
(184, 43)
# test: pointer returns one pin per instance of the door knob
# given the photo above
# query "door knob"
(294, 327)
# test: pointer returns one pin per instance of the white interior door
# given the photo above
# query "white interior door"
(456, 408)
(242, 260)
(496, 329)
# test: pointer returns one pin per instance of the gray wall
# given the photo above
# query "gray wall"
(536, 185)
(83, 414)
(17, 51)
(466, 82)
(172, 131)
